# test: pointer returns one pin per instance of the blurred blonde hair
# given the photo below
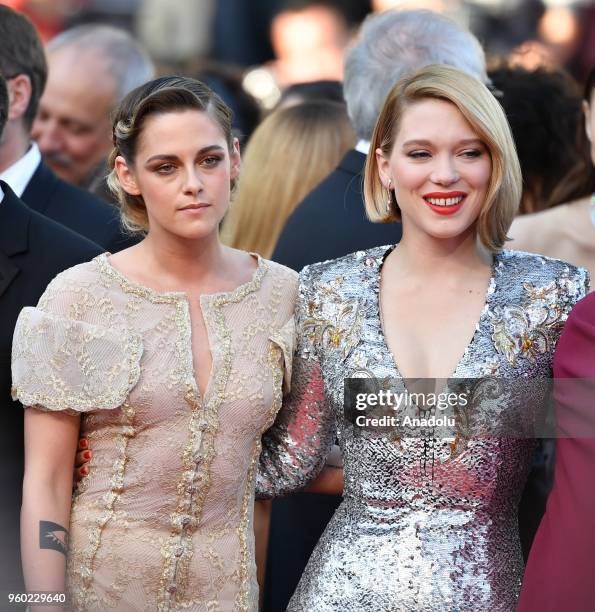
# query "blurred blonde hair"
(289, 153)
(486, 117)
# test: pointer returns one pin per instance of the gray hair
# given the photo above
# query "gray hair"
(395, 43)
(126, 61)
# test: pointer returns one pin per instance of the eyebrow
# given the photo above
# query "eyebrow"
(167, 157)
(426, 143)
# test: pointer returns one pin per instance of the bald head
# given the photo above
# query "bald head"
(90, 69)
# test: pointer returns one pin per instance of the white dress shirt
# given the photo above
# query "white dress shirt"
(20, 173)
(363, 146)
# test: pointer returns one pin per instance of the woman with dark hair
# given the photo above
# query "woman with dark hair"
(170, 357)
(543, 108)
(558, 174)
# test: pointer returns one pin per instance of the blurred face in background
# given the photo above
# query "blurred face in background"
(73, 127)
(589, 110)
(309, 45)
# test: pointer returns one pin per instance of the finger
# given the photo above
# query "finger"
(83, 444)
(82, 458)
(79, 474)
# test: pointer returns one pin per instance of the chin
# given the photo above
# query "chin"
(454, 230)
(195, 231)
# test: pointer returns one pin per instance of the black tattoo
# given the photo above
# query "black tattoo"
(53, 536)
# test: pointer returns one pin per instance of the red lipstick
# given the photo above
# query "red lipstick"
(445, 202)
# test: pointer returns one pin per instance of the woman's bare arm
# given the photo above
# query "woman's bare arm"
(50, 446)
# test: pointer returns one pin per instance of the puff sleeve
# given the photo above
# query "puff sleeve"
(62, 362)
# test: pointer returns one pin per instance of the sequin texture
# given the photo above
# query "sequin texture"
(425, 524)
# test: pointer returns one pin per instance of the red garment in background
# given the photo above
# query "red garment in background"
(560, 572)
(47, 15)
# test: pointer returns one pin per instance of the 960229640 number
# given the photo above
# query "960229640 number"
(40, 598)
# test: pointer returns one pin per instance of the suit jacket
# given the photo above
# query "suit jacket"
(331, 221)
(78, 210)
(33, 249)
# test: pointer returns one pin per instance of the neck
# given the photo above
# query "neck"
(13, 145)
(182, 262)
(428, 257)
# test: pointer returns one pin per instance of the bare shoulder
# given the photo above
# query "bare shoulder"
(533, 232)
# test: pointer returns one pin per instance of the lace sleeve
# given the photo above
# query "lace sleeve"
(61, 363)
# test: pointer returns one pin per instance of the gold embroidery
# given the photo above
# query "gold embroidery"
(277, 354)
(81, 599)
(344, 330)
(195, 481)
(194, 510)
(71, 377)
(528, 330)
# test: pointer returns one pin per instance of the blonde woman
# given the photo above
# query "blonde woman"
(427, 523)
(289, 153)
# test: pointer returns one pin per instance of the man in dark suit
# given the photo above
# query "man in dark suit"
(331, 220)
(23, 65)
(33, 249)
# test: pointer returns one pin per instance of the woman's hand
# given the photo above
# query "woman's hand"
(83, 456)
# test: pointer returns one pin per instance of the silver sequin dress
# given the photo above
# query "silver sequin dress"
(410, 534)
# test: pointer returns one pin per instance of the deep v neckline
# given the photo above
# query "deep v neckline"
(489, 293)
(181, 300)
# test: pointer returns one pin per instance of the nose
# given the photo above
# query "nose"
(445, 171)
(192, 181)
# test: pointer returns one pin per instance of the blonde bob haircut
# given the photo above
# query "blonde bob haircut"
(486, 117)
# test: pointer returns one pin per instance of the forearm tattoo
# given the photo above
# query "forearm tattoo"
(53, 536)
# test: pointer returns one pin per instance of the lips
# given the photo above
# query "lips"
(445, 203)
(198, 206)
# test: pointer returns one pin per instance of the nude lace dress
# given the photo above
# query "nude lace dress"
(164, 519)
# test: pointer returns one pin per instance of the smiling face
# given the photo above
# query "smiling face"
(439, 168)
(183, 170)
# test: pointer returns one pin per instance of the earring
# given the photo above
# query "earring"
(389, 203)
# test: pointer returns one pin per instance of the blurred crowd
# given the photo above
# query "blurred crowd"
(304, 116)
